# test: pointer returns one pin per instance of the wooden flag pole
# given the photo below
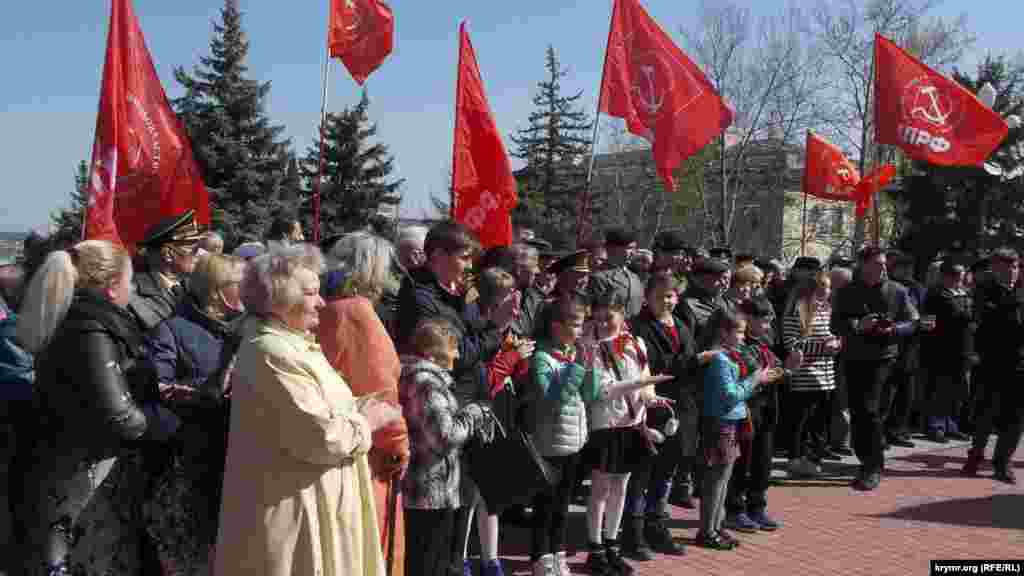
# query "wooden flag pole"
(325, 79)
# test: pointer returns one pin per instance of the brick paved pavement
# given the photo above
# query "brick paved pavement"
(923, 510)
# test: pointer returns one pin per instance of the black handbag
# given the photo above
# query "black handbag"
(508, 470)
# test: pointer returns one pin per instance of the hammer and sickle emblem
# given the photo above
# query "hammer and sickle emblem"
(352, 26)
(650, 99)
(932, 112)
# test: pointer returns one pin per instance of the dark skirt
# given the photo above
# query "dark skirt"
(721, 440)
(616, 450)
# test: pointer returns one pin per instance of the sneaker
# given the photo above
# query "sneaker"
(764, 521)
(544, 566)
(562, 564)
(741, 523)
(492, 568)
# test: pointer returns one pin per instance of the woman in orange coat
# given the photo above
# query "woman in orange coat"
(357, 345)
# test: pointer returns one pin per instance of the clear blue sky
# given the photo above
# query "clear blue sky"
(51, 56)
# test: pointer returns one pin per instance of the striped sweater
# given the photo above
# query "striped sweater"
(818, 369)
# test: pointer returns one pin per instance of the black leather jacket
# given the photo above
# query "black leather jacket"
(88, 379)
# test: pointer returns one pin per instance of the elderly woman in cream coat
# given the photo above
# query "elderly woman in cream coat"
(298, 497)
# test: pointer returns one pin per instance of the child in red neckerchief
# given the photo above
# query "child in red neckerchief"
(728, 384)
(746, 501)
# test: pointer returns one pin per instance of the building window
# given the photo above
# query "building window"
(838, 222)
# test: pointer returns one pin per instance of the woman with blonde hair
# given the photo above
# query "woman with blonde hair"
(298, 495)
(806, 328)
(193, 353)
(357, 345)
(92, 378)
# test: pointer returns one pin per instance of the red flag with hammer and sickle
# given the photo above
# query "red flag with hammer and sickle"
(362, 34)
(660, 93)
(142, 166)
(827, 172)
(483, 188)
(930, 117)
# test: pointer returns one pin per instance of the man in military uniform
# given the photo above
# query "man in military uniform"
(169, 255)
(671, 252)
(572, 274)
(620, 244)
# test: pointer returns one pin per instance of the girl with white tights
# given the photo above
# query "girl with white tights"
(618, 435)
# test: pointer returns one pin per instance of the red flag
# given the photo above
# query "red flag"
(662, 95)
(929, 116)
(870, 184)
(483, 189)
(362, 34)
(827, 172)
(142, 166)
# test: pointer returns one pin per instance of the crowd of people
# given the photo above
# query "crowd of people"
(281, 410)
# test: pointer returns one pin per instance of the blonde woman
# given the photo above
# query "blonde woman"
(357, 345)
(806, 328)
(193, 352)
(91, 375)
(298, 495)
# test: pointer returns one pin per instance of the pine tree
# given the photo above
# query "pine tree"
(67, 222)
(556, 149)
(355, 179)
(240, 153)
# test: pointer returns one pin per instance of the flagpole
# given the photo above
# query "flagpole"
(325, 79)
(876, 226)
(458, 92)
(584, 203)
(803, 225)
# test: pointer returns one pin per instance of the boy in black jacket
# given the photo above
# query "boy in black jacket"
(670, 350)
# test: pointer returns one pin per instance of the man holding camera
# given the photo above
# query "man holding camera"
(872, 314)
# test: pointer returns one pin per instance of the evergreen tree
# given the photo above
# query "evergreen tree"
(240, 153)
(556, 149)
(67, 222)
(356, 182)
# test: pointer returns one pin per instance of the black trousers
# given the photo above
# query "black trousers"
(808, 414)
(17, 421)
(551, 509)
(1002, 409)
(752, 473)
(866, 383)
(900, 397)
(428, 541)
